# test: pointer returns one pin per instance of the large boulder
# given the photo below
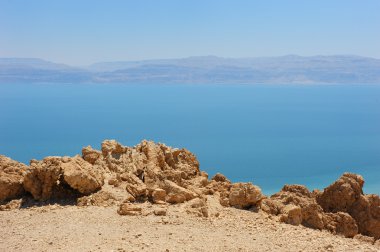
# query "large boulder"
(81, 176)
(245, 195)
(342, 194)
(11, 178)
(42, 177)
(52, 174)
(346, 195)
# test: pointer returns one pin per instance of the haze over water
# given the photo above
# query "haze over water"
(268, 134)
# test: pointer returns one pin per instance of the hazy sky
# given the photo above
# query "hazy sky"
(84, 31)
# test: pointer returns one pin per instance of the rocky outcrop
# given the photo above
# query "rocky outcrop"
(153, 175)
(295, 205)
(147, 171)
(346, 195)
(341, 208)
(11, 178)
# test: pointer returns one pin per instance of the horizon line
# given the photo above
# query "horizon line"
(189, 57)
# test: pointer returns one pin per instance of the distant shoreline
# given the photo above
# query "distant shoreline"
(291, 69)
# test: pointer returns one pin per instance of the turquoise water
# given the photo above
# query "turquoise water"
(270, 135)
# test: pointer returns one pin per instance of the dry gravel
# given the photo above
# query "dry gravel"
(72, 228)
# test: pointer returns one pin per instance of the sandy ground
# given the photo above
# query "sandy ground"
(72, 228)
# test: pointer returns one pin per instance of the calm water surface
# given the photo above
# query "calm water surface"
(270, 135)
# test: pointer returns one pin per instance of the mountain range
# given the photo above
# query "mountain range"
(289, 69)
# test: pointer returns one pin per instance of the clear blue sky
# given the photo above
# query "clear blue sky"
(84, 31)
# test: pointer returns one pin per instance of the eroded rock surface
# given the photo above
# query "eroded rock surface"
(147, 178)
(55, 174)
(245, 195)
(129, 209)
(43, 177)
(81, 176)
(346, 195)
(295, 205)
(11, 178)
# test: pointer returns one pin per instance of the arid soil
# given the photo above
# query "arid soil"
(72, 228)
(154, 197)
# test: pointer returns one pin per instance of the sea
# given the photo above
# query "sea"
(269, 135)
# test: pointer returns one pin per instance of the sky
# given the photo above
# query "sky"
(81, 32)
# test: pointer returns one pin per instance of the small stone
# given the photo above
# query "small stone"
(160, 211)
(129, 209)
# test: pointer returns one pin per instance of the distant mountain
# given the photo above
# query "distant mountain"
(290, 69)
(38, 70)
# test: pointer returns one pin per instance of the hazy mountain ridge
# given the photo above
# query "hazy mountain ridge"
(204, 69)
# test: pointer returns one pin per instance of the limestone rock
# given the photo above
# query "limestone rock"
(346, 195)
(244, 195)
(81, 176)
(159, 196)
(113, 148)
(341, 223)
(129, 209)
(135, 186)
(220, 178)
(198, 207)
(54, 173)
(295, 204)
(114, 181)
(342, 194)
(295, 195)
(100, 198)
(11, 178)
(42, 177)
(160, 174)
(377, 244)
(175, 193)
(221, 188)
(90, 155)
(364, 238)
(160, 211)
(11, 205)
(291, 214)
(120, 159)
